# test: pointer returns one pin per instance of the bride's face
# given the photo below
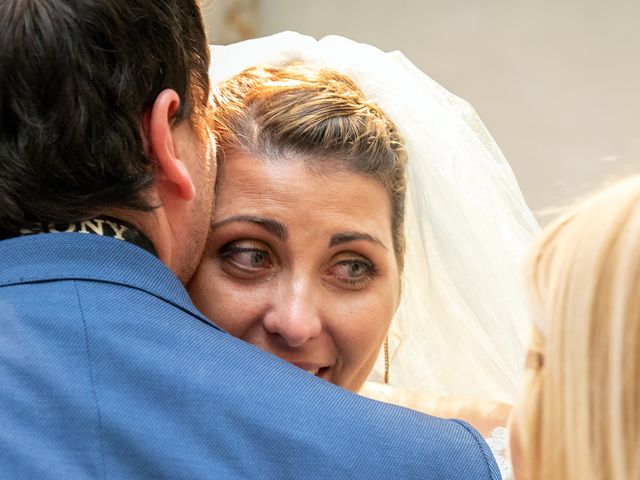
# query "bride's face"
(302, 265)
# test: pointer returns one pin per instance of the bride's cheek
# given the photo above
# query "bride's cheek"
(227, 303)
(238, 307)
(363, 327)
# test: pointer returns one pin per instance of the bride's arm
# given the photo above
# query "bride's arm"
(484, 415)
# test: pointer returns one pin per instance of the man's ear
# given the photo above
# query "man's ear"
(160, 144)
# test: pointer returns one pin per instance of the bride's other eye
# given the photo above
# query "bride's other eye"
(353, 273)
(246, 259)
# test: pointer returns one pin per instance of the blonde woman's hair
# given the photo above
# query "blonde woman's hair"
(579, 418)
(317, 115)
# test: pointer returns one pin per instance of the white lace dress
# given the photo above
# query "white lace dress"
(498, 442)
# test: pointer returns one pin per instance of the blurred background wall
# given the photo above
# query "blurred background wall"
(557, 82)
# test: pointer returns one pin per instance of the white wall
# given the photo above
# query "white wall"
(229, 21)
(557, 82)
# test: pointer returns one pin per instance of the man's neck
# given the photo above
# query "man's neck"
(156, 227)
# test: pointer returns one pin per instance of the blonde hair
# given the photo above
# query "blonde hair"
(580, 412)
(317, 115)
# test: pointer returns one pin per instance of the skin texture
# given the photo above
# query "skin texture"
(300, 263)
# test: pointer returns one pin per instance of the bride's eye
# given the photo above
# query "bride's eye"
(353, 272)
(246, 259)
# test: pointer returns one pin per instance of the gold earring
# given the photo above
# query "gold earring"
(534, 360)
(386, 359)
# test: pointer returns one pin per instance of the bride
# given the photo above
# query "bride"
(289, 215)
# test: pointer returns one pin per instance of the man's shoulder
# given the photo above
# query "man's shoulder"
(119, 376)
(35, 263)
(431, 447)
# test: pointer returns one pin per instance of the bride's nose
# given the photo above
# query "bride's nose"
(295, 314)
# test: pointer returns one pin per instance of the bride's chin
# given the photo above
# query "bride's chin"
(352, 384)
(329, 374)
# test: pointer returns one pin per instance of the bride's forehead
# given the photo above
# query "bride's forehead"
(293, 179)
(292, 192)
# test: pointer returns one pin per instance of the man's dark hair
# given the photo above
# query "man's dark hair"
(76, 77)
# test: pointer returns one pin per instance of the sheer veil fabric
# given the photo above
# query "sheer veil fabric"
(462, 322)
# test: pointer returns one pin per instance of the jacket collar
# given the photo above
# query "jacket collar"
(78, 256)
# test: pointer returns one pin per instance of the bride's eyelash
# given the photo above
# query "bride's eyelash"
(227, 252)
(241, 246)
(371, 268)
(366, 262)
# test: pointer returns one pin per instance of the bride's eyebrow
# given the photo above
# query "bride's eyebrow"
(273, 226)
(345, 237)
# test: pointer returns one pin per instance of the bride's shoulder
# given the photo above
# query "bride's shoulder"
(484, 415)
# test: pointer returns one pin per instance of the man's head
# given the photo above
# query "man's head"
(103, 108)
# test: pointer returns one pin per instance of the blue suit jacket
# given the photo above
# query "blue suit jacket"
(107, 370)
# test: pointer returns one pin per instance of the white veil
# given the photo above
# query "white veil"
(462, 322)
